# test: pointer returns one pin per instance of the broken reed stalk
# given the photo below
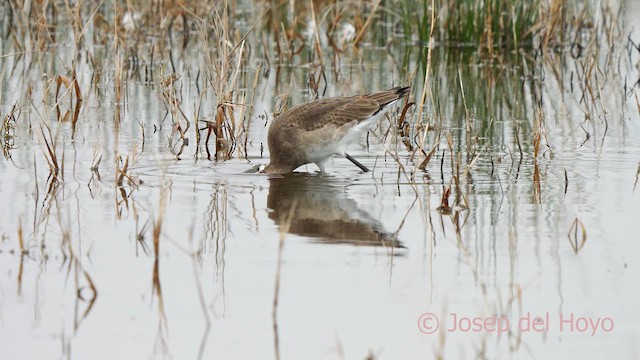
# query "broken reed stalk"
(72, 87)
(577, 242)
(637, 178)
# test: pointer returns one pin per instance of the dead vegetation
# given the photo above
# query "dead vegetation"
(212, 67)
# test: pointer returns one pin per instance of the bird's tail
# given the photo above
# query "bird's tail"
(385, 98)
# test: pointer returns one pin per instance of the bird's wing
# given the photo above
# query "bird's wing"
(336, 112)
(341, 111)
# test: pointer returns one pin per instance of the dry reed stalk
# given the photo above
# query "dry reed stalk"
(316, 35)
(537, 187)
(224, 69)
(425, 86)
(159, 220)
(637, 178)
(50, 139)
(94, 293)
(222, 113)
(78, 104)
(285, 225)
(444, 207)
(19, 53)
(551, 22)
(196, 120)
(97, 158)
(401, 169)
(403, 129)
(200, 290)
(356, 40)
(75, 266)
(250, 116)
(72, 87)
(467, 115)
(517, 132)
(50, 146)
(428, 156)
(577, 242)
(173, 104)
(21, 238)
(157, 224)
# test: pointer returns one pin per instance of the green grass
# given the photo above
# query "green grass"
(489, 24)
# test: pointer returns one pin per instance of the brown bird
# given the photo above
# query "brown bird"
(313, 132)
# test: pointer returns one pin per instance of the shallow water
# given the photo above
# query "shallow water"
(355, 260)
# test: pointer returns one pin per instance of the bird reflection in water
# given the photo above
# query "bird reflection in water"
(324, 212)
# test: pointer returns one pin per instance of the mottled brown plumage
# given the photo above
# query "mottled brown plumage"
(313, 132)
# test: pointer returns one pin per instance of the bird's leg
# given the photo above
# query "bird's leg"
(320, 165)
(356, 163)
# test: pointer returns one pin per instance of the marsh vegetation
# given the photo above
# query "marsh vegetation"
(506, 184)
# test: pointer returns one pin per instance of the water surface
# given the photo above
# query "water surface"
(353, 259)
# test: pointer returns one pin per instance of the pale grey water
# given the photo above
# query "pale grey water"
(366, 254)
